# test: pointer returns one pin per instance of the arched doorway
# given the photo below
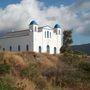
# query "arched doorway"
(55, 50)
(19, 48)
(10, 48)
(40, 49)
(48, 49)
(27, 47)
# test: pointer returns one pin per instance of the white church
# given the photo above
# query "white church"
(37, 39)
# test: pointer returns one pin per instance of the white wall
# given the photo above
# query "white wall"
(14, 42)
(40, 40)
(34, 40)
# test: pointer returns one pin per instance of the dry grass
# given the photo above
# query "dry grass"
(13, 59)
(25, 84)
(20, 60)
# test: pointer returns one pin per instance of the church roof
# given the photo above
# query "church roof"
(15, 34)
(33, 23)
(57, 26)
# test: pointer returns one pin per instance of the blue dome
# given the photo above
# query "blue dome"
(57, 26)
(33, 23)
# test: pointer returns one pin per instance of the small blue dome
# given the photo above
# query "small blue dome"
(57, 26)
(33, 23)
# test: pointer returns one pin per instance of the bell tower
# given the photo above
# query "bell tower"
(33, 26)
(57, 29)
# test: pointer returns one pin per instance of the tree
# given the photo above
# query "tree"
(67, 41)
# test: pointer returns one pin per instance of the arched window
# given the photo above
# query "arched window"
(19, 48)
(3, 49)
(48, 49)
(10, 48)
(40, 50)
(47, 34)
(59, 31)
(55, 50)
(35, 29)
(50, 34)
(27, 47)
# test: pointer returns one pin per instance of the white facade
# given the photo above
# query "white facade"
(38, 39)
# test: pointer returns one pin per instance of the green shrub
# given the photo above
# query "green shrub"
(49, 73)
(6, 83)
(66, 78)
(41, 83)
(3, 86)
(4, 68)
(79, 53)
(70, 59)
(31, 72)
(85, 66)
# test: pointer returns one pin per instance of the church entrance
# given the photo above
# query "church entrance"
(40, 49)
(54, 50)
(48, 49)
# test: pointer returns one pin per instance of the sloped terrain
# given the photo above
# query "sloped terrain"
(35, 71)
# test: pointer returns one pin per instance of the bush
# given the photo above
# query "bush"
(4, 86)
(85, 66)
(66, 78)
(70, 59)
(78, 52)
(7, 83)
(4, 68)
(41, 83)
(31, 72)
(49, 73)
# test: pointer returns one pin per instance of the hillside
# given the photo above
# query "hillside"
(85, 48)
(34, 71)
